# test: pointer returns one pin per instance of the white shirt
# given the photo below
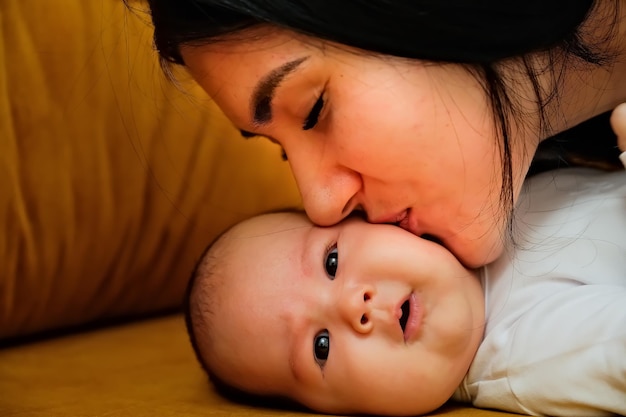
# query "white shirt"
(555, 337)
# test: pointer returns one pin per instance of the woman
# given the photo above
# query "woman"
(423, 113)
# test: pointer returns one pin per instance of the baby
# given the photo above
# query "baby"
(364, 318)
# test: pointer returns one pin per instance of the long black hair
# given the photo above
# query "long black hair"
(481, 35)
(471, 32)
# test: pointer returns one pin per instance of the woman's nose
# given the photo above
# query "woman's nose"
(329, 190)
(355, 307)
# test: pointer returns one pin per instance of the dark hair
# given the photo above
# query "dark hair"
(477, 32)
(481, 35)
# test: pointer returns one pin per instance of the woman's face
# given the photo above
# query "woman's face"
(407, 142)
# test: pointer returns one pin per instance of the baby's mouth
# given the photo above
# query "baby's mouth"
(406, 311)
(410, 316)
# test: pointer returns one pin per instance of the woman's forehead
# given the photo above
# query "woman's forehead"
(250, 46)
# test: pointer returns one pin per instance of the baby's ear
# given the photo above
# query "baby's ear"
(618, 123)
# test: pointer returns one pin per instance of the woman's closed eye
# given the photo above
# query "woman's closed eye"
(321, 347)
(314, 114)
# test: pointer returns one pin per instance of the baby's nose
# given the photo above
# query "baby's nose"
(356, 308)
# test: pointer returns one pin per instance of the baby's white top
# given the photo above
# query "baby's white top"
(555, 340)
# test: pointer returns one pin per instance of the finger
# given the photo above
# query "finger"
(618, 123)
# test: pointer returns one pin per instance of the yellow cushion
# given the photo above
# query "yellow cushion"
(112, 179)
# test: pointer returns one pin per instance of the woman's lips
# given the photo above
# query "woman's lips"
(390, 218)
(406, 219)
(403, 217)
(409, 222)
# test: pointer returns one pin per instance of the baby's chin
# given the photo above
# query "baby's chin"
(398, 411)
(382, 405)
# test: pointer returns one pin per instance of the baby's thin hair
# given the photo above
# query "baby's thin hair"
(204, 267)
(205, 277)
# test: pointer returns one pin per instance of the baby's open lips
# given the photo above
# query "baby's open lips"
(406, 311)
(409, 315)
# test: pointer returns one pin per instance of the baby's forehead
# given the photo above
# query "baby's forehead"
(251, 238)
(252, 261)
(258, 250)
(252, 243)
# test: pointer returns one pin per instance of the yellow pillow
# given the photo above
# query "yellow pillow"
(112, 179)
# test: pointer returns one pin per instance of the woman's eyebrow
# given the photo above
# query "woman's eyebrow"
(261, 102)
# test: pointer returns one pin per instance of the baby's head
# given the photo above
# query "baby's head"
(352, 318)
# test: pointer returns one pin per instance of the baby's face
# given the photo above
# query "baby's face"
(354, 318)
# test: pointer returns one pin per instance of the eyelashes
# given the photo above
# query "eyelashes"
(314, 114)
(309, 123)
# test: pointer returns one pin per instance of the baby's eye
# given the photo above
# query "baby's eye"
(321, 347)
(331, 262)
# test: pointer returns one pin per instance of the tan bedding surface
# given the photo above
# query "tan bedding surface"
(145, 368)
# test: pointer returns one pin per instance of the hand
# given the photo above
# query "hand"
(618, 123)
